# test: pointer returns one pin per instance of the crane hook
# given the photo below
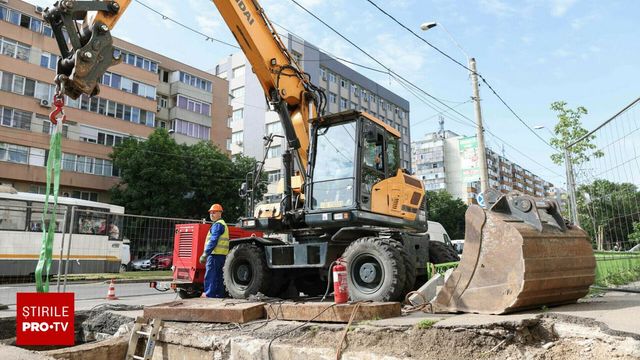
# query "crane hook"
(58, 101)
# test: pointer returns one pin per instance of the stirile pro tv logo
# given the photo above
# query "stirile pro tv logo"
(45, 319)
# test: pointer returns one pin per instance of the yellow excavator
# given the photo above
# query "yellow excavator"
(345, 194)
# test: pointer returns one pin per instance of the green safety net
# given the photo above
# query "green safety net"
(49, 217)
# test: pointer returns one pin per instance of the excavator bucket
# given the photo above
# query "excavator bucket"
(519, 254)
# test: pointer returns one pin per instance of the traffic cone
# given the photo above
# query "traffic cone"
(111, 294)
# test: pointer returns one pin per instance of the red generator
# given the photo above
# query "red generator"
(188, 245)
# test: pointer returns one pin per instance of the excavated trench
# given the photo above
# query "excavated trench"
(543, 337)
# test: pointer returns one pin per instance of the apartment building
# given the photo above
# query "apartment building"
(146, 91)
(445, 160)
(345, 89)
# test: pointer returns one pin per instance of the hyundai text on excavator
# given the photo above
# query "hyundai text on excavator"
(346, 195)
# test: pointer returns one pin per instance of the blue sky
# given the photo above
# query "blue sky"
(532, 52)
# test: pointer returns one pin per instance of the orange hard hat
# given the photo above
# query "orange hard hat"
(215, 207)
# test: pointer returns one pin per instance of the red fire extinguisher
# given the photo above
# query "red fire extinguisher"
(340, 288)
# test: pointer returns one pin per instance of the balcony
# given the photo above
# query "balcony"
(182, 114)
(190, 91)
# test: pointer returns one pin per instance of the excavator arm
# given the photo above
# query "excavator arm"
(286, 86)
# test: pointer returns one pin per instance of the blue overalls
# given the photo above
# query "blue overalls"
(216, 249)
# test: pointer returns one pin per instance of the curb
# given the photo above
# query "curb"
(135, 281)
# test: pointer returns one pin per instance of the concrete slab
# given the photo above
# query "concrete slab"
(207, 310)
(325, 312)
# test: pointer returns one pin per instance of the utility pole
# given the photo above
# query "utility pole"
(484, 176)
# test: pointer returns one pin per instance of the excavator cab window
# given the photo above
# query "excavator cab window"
(334, 170)
(373, 162)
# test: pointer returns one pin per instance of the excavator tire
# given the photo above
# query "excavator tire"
(375, 270)
(440, 252)
(410, 267)
(245, 271)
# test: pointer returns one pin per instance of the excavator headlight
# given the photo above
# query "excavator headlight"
(248, 223)
(341, 216)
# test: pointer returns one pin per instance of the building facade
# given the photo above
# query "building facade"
(345, 89)
(146, 91)
(445, 160)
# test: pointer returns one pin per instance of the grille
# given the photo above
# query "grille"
(184, 244)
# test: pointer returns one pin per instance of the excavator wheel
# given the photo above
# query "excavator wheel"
(375, 269)
(440, 253)
(245, 271)
(409, 265)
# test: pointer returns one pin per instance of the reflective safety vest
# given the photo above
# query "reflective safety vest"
(222, 247)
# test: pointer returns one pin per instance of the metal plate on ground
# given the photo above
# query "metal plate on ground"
(207, 310)
(338, 313)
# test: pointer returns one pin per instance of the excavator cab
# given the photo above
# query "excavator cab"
(357, 176)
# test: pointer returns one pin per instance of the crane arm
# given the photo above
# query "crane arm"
(286, 86)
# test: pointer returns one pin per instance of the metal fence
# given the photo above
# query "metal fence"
(86, 242)
(605, 195)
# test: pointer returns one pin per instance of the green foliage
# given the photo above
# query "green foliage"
(569, 129)
(448, 211)
(162, 178)
(611, 207)
(634, 237)
(426, 323)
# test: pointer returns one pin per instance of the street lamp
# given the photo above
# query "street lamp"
(484, 176)
(540, 127)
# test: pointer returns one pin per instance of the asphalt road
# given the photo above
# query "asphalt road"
(87, 292)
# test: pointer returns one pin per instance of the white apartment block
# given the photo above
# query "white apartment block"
(448, 161)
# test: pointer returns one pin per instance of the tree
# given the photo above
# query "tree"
(446, 210)
(608, 210)
(569, 129)
(634, 237)
(162, 178)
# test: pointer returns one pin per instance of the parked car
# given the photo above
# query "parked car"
(161, 261)
(438, 233)
(635, 248)
(141, 264)
(458, 245)
(125, 255)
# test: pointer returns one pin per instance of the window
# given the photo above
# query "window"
(237, 138)
(195, 81)
(193, 105)
(137, 60)
(48, 129)
(15, 49)
(162, 101)
(333, 187)
(332, 77)
(191, 129)
(274, 152)
(14, 217)
(15, 118)
(323, 74)
(343, 83)
(274, 128)
(14, 153)
(274, 176)
(237, 92)
(238, 72)
(343, 103)
(238, 114)
(332, 97)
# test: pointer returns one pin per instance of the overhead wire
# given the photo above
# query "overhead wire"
(466, 68)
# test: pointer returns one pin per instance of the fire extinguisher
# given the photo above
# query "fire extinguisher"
(340, 288)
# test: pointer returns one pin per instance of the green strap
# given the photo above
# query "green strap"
(48, 232)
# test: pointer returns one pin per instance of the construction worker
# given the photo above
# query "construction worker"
(215, 251)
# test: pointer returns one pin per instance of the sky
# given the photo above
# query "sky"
(532, 52)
